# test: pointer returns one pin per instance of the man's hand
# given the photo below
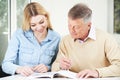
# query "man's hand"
(24, 70)
(88, 74)
(65, 63)
(40, 68)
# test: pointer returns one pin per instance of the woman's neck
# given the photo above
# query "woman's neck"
(40, 36)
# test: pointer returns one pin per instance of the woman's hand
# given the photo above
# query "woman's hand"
(40, 68)
(88, 74)
(24, 70)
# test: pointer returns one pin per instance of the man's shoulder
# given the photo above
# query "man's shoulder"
(67, 37)
(103, 34)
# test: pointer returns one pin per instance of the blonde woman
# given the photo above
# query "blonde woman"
(34, 47)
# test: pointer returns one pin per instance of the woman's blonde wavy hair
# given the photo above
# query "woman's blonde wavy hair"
(33, 9)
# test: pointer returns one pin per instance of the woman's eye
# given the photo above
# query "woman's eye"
(41, 22)
(32, 25)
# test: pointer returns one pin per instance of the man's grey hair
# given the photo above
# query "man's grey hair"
(82, 11)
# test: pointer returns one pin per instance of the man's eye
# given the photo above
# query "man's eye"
(77, 26)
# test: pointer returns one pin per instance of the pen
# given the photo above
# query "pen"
(63, 55)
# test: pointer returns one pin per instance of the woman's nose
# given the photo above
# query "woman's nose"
(39, 27)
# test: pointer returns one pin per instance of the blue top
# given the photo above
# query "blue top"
(25, 50)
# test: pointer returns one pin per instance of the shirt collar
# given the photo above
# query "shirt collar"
(48, 37)
(92, 33)
(29, 34)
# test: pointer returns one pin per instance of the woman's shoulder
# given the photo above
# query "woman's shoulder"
(18, 31)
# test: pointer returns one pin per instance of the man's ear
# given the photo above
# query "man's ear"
(89, 24)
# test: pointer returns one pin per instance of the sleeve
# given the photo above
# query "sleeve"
(112, 52)
(56, 50)
(9, 63)
(55, 65)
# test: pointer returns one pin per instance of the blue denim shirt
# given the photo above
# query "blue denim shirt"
(24, 50)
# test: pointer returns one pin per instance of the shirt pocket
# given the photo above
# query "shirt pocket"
(47, 56)
(25, 55)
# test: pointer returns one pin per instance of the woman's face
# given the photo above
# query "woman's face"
(38, 23)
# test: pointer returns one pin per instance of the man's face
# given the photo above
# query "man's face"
(78, 28)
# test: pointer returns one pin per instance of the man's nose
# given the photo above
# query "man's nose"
(73, 27)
